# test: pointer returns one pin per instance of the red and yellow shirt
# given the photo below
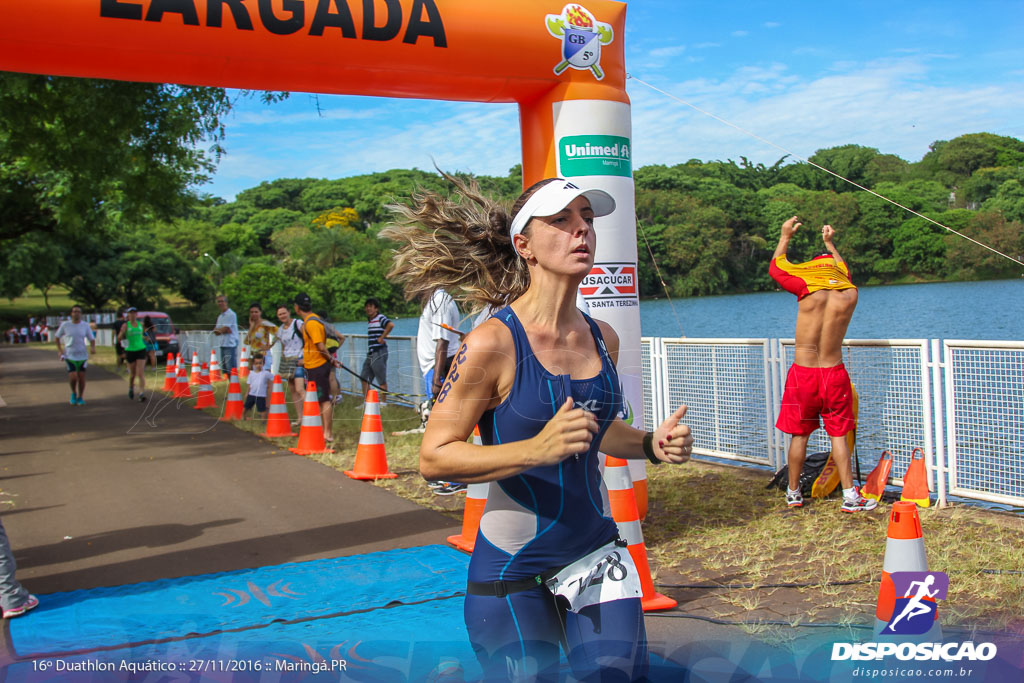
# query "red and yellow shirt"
(801, 279)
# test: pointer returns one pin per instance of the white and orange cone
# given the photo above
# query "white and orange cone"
(194, 377)
(476, 501)
(627, 517)
(904, 552)
(215, 374)
(171, 376)
(205, 396)
(371, 458)
(243, 363)
(278, 422)
(311, 432)
(638, 473)
(234, 407)
(181, 387)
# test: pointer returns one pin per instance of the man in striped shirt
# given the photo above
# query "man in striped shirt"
(375, 367)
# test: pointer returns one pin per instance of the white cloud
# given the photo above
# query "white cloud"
(771, 24)
(888, 105)
(740, 34)
(673, 51)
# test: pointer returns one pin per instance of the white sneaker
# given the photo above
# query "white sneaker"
(858, 502)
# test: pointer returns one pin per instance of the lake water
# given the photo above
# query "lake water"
(943, 310)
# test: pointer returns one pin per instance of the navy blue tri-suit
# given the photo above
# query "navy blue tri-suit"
(537, 522)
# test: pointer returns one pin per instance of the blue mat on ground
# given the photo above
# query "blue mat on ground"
(402, 643)
(78, 621)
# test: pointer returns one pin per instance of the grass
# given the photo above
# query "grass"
(33, 303)
(717, 526)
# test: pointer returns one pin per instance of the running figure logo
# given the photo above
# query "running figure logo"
(916, 607)
(582, 37)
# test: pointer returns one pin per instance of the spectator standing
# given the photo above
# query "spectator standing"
(227, 329)
(71, 337)
(149, 334)
(24, 334)
(261, 332)
(375, 367)
(436, 342)
(115, 328)
(289, 336)
(317, 360)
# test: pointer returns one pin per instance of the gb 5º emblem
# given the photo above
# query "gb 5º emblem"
(582, 37)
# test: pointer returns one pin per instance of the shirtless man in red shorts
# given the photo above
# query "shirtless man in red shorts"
(817, 383)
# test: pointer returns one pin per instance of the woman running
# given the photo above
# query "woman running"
(134, 352)
(539, 377)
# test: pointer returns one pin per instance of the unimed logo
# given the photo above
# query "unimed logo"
(921, 652)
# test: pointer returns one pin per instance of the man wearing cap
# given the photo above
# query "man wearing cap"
(817, 382)
(319, 364)
(227, 329)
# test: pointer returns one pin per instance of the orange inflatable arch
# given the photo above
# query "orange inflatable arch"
(561, 62)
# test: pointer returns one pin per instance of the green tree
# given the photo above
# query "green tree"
(992, 228)
(343, 291)
(1009, 201)
(261, 283)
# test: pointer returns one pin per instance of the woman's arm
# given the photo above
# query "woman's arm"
(481, 377)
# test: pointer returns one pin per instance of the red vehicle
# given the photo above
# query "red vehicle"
(166, 332)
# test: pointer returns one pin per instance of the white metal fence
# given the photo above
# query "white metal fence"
(964, 408)
(962, 402)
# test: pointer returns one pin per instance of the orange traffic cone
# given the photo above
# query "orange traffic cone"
(181, 387)
(627, 517)
(243, 363)
(371, 459)
(311, 432)
(234, 407)
(278, 422)
(638, 473)
(215, 375)
(193, 379)
(476, 500)
(874, 485)
(904, 552)
(915, 481)
(205, 397)
(171, 376)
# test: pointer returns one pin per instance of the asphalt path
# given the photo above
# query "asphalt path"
(118, 491)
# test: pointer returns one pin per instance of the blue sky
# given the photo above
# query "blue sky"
(804, 75)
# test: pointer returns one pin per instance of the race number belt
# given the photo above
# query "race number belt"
(604, 575)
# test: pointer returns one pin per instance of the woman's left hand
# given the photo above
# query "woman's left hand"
(673, 442)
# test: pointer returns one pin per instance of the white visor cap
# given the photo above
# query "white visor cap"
(555, 196)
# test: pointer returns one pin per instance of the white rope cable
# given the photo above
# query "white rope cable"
(657, 270)
(807, 161)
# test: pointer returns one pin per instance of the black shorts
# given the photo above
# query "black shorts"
(322, 376)
(259, 401)
(132, 356)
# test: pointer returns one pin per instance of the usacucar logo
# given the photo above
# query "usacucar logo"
(610, 279)
(582, 37)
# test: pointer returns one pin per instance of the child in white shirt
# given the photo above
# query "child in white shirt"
(259, 380)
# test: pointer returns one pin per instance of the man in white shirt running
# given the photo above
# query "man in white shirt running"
(71, 337)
